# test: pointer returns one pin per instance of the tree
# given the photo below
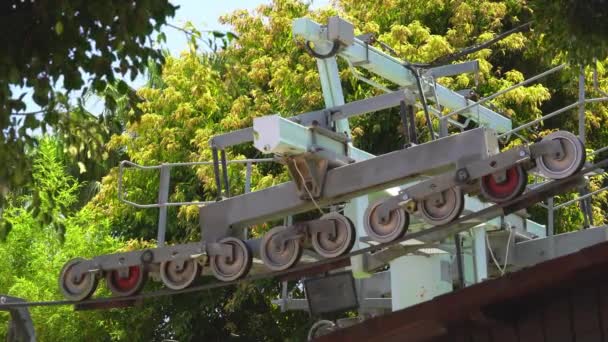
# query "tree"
(577, 29)
(46, 42)
(33, 252)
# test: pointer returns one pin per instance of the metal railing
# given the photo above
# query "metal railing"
(163, 188)
(504, 91)
(579, 198)
(580, 104)
(165, 178)
(584, 198)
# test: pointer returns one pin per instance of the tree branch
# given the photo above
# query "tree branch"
(190, 33)
(29, 113)
(469, 50)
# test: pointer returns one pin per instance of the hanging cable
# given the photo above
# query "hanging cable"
(334, 50)
(445, 59)
(295, 165)
(427, 116)
(501, 269)
(448, 58)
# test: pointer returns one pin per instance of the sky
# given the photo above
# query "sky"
(204, 14)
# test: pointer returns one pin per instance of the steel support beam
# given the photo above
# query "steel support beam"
(324, 118)
(390, 68)
(20, 328)
(347, 182)
(329, 76)
(535, 251)
(277, 135)
(454, 69)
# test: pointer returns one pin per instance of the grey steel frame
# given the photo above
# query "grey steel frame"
(163, 188)
(341, 184)
(495, 165)
(323, 118)
(579, 104)
(349, 181)
(584, 197)
(21, 327)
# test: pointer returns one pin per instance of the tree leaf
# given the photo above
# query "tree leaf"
(59, 28)
(81, 167)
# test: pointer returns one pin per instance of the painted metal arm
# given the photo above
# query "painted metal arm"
(361, 54)
(324, 117)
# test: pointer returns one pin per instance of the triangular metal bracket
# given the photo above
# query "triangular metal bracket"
(309, 175)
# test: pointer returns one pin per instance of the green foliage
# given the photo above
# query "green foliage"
(46, 41)
(54, 191)
(67, 41)
(578, 30)
(32, 254)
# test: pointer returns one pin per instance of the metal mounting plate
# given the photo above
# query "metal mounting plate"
(332, 293)
(308, 175)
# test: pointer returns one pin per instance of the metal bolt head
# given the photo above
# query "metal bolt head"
(522, 153)
(462, 175)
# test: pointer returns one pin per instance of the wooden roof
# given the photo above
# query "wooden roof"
(560, 299)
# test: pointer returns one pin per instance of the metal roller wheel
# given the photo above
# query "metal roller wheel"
(329, 245)
(513, 185)
(441, 213)
(279, 257)
(231, 268)
(76, 288)
(320, 328)
(129, 285)
(383, 232)
(562, 166)
(179, 274)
